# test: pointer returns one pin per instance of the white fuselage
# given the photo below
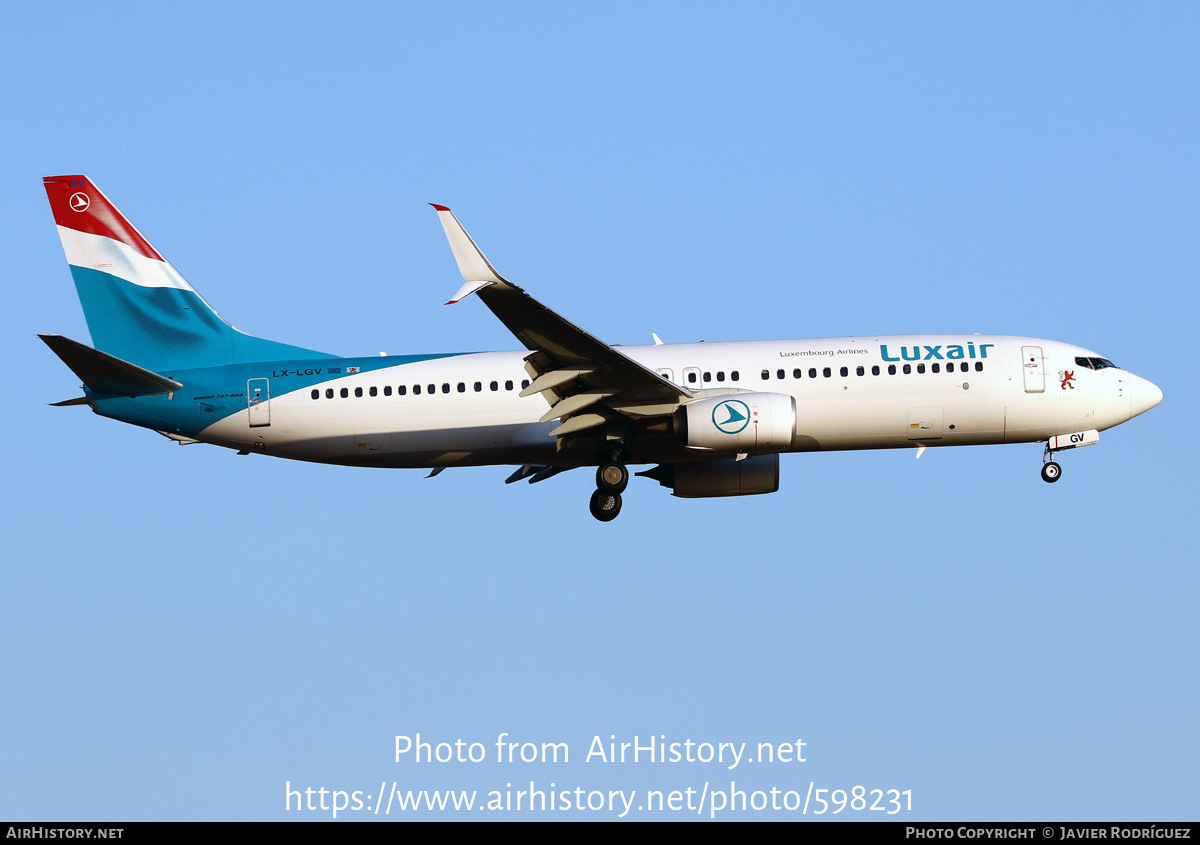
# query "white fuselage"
(851, 393)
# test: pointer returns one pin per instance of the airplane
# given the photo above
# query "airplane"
(710, 418)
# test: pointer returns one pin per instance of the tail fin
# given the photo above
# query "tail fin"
(138, 307)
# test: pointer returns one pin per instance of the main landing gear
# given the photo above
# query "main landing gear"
(1051, 471)
(612, 477)
(605, 506)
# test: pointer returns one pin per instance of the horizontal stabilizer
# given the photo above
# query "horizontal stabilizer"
(104, 373)
(82, 400)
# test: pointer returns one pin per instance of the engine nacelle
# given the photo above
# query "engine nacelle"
(740, 422)
(728, 477)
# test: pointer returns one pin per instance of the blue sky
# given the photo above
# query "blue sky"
(185, 631)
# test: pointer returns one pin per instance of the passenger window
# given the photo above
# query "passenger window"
(316, 394)
(691, 378)
(779, 374)
(478, 387)
(387, 390)
(875, 370)
(720, 375)
(936, 368)
(861, 371)
(891, 369)
(845, 371)
(963, 366)
(401, 390)
(827, 372)
(329, 393)
(374, 391)
(508, 385)
(979, 366)
(707, 375)
(920, 368)
(494, 385)
(797, 373)
(445, 387)
(766, 374)
(812, 373)
(734, 375)
(908, 369)
(416, 390)
(462, 388)
(432, 388)
(358, 392)
(524, 383)
(345, 392)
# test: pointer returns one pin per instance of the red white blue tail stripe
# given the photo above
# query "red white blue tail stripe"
(138, 307)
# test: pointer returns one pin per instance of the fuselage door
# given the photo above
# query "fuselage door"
(258, 400)
(1033, 366)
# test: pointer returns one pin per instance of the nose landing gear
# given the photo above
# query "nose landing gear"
(1051, 471)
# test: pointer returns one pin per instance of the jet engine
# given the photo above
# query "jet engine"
(740, 422)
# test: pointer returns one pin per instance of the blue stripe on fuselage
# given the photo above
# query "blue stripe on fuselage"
(212, 393)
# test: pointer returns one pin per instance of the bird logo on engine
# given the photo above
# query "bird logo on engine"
(731, 416)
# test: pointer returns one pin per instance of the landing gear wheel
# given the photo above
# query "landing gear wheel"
(605, 506)
(612, 477)
(1051, 472)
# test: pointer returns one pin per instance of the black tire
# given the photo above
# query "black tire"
(612, 477)
(1051, 472)
(605, 506)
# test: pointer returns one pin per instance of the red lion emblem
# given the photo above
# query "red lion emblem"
(1068, 379)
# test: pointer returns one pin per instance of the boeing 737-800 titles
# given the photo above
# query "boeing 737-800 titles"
(712, 418)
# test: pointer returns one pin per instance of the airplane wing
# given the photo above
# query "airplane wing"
(587, 382)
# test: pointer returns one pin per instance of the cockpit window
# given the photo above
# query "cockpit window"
(1094, 363)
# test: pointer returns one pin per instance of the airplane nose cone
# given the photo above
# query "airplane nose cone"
(1143, 395)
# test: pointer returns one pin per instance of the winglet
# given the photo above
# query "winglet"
(466, 290)
(476, 270)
